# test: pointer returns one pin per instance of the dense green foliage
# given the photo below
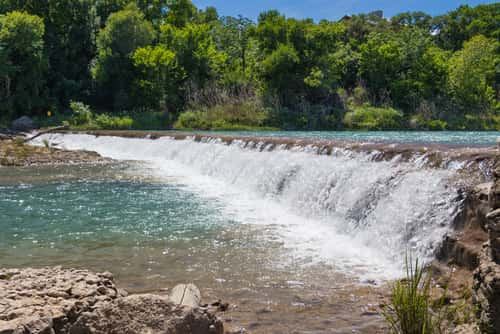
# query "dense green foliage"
(166, 63)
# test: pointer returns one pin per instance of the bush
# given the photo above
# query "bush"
(151, 120)
(106, 122)
(191, 120)
(306, 116)
(420, 123)
(475, 122)
(372, 118)
(231, 116)
(82, 114)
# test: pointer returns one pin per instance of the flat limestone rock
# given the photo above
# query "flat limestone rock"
(72, 301)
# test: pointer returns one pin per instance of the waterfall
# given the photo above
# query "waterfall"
(344, 208)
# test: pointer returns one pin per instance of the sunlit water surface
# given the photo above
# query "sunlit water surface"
(153, 233)
(298, 243)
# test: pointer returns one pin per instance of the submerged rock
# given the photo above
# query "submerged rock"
(70, 301)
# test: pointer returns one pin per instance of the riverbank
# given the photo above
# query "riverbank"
(61, 301)
(15, 152)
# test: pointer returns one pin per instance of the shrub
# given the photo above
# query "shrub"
(230, 116)
(437, 124)
(82, 114)
(409, 310)
(191, 120)
(106, 122)
(413, 311)
(418, 122)
(151, 120)
(372, 118)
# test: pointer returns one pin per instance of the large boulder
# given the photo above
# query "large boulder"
(23, 124)
(148, 313)
(70, 301)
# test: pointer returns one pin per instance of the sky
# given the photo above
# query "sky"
(332, 9)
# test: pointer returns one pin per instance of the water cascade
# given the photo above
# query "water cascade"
(344, 208)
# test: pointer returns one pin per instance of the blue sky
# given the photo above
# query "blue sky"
(332, 9)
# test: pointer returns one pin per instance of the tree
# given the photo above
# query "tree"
(412, 19)
(232, 37)
(473, 73)
(70, 27)
(21, 46)
(456, 27)
(279, 72)
(379, 64)
(125, 31)
(180, 12)
(195, 51)
(157, 74)
(153, 10)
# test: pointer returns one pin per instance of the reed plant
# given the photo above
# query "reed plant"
(411, 310)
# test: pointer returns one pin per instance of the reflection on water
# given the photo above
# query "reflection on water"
(154, 233)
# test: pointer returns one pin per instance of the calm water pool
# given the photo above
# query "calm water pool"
(460, 138)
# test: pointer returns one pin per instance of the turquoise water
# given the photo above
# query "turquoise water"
(459, 138)
(134, 228)
(287, 230)
(155, 233)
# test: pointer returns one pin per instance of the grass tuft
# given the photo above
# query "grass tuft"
(411, 310)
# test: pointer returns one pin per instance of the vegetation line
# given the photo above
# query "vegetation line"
(160, 64)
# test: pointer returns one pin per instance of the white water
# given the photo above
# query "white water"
(359, 215)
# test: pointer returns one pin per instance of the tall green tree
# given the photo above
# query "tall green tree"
(180, 12)
(23, 68)
(125, 31)
(473, 74)
(157, 75)
(69, 39)
(195, 51)
(454, 28)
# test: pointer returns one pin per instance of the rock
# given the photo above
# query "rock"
(23, 124)
(146, 313)
(486, 293)
(466, 329)
(494, 196)
(70, 301)
(186, 295)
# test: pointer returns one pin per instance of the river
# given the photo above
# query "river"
(298, 241)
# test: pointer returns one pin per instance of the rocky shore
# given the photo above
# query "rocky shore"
(71, 301)
(15, 152)
(487, 273)
(472, 254)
